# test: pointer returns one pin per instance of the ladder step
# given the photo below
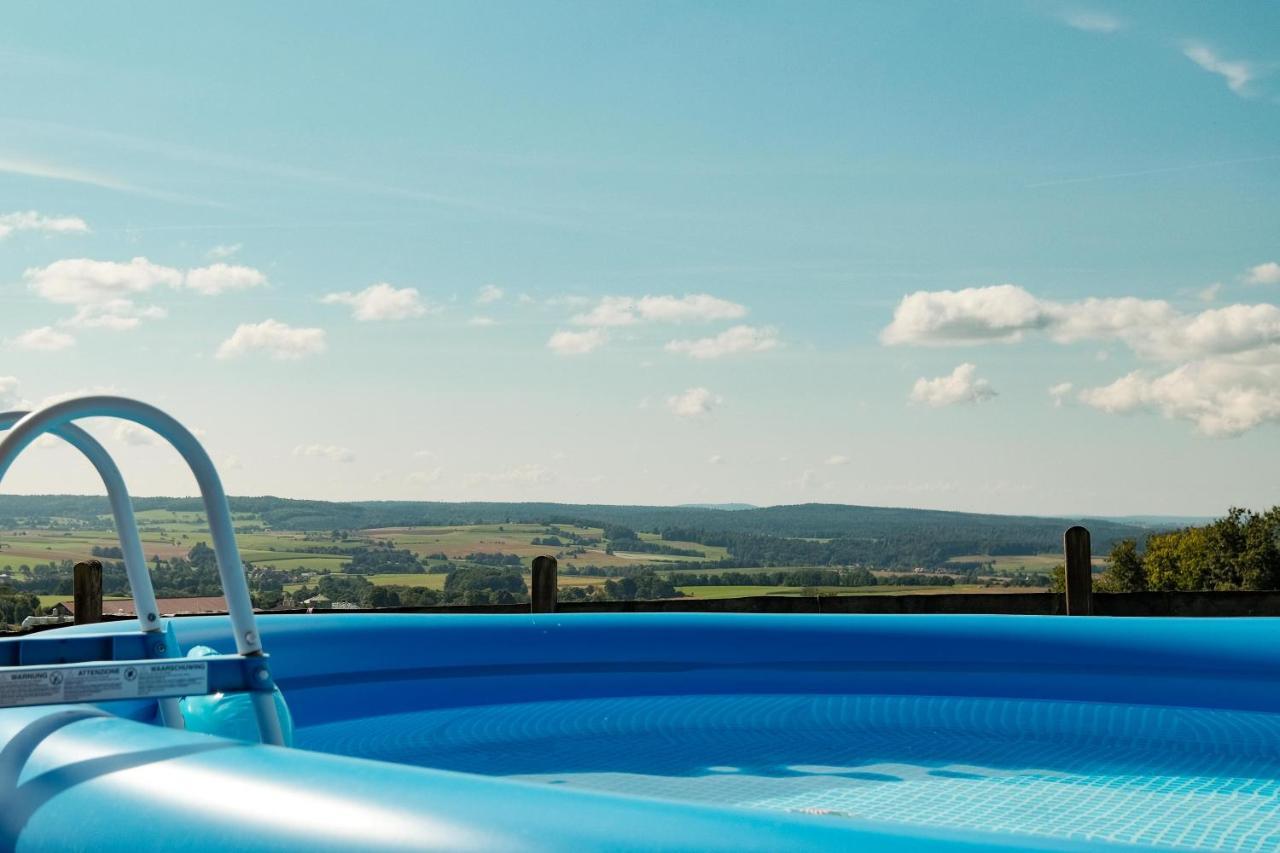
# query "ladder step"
(50, 648)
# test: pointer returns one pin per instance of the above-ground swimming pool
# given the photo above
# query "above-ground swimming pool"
(689, 731)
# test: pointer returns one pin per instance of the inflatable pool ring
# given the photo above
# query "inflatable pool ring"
(229, 715)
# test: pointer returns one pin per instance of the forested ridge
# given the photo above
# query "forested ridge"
(840, 534)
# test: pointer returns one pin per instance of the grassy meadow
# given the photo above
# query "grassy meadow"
(170, 534)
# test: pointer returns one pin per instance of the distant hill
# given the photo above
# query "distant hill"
(821, 533)
(726, 507)
(1161, 521)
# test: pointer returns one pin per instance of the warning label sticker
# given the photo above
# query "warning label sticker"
(102, 682)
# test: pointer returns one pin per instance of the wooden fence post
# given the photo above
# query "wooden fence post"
(1079, 554)
(543, 591)
(87, 584)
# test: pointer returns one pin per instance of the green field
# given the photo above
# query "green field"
(458, 541)
(50, 600)
(168, 534)
(1007, 564)
(740, 591)
(734, 591)
(314, 562)
(282, 549)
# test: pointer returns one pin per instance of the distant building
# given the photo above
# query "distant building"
(34, 621)
(167, 606)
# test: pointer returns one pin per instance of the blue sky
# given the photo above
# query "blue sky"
(1011, 257)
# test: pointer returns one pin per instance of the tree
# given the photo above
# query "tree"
(1161, 561)
(202, 556)
(380, 596)
(1125, 570)
(643, 585)
(1239, 551)
(479, 584)
(1058, 578)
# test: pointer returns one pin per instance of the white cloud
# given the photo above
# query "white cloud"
(489, 293)
(715, 459)
(482, 322)
(1002, 312)
(626, 311)
(1138, 322)
(1237, 73)
(279, 340)
(700, 307)
(43, 339)
(105, 293)
(424, 454)
(1210, 293)
(1223, 364)
(571, 300)
(63, 396)
(1268, 273)
(1152, 328)
(576, 343)
(329, 452)
(738, 339)
(222, 278)
(222, 252)
(48, 441)
(1219, 331)
(381, 302)
(960, 386)
(808, 480)
(81, 281)
(528, 474)
(30, 220)
(71, 394)
(1092, 21)
(232, 463)
(1059, 392)
(693, 403)
(837, 459)
(423, 478)
(118, 315)
(8, 392)
(133, 435)
(1222, 398)
(611, 311)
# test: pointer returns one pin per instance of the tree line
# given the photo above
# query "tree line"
(1240, 551)
(853, 577)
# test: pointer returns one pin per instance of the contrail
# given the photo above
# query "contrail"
(1188, 167)
(34, 169)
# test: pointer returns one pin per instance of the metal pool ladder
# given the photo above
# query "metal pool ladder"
(100, 667)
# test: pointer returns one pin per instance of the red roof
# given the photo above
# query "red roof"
(168, 606)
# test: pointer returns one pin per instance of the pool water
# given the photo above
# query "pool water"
(1177, 778)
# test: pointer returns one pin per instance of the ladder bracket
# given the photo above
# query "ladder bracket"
(57, 670)
(106, 681)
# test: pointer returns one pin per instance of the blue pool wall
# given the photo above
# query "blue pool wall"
(71, 779)
(337, 666)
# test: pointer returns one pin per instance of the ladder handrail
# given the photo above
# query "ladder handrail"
(126, 524)
(218, 512)
(135, 561)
